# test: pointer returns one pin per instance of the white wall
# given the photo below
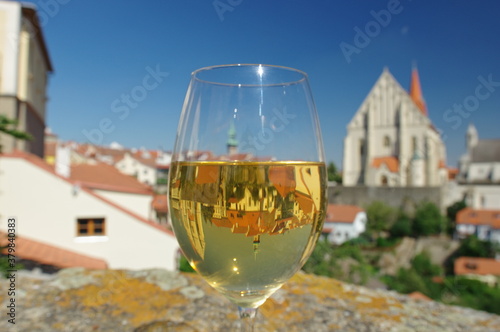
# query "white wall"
(131, 166)
(46, 208)
(137, 203)
(344, 231)
(483, 196)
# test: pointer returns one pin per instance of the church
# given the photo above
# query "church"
(391, 142)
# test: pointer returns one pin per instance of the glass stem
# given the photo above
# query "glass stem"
(247, 318)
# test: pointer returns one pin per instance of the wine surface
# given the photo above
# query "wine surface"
(247, 227)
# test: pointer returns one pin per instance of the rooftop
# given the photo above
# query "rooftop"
(51, 255)
(342, 213)
(469, 216)
(391, 162)
(477, 265)
(486, 151)
(106, 177)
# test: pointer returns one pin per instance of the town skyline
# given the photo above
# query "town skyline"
(123, 77)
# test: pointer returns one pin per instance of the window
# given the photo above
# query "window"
(387, 141)
(384, 181)
(361, 146)
(414, 144)
(90, 227)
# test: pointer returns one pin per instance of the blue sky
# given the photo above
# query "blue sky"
(102, 50)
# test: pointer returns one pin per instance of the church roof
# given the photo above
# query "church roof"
(486, 151)
(391, 162)
(416, 92)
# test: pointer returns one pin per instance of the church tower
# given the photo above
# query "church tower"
(416, 91)
(391, 141)
(232, 142)
(472, 137)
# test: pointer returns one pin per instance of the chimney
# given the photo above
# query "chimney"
(63, 160)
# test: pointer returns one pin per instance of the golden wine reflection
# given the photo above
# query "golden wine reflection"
(248, 198)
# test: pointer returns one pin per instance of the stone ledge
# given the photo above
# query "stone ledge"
(158, 300)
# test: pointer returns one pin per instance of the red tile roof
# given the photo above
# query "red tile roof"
(94, 151)
(160, 203)
(342, 213)
(416, 92)
(107, 177)
(469, 216)
(51, 255)
(146, 157)
(477, 265)
(452, 173)
(391, 162)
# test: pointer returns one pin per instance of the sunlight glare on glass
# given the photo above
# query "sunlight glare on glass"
(260, 71)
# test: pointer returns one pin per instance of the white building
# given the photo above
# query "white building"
(479, 171)
(141, 165)
(58, 211)
(24, 69)
(111, 184)
(485, 224)
(391, 141)
(344, 222)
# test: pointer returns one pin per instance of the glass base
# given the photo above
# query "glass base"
(247, 313)
(247, 318)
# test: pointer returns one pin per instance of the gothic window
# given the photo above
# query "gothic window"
(387, 141)
(361, 146)
(414, 144)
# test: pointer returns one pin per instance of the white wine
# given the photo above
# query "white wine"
(247, 226)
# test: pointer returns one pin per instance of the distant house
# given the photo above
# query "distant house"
(76, 217)
(141, 165)
(479, 173)
(110, 183)
(485, 224)
(344, 222)
(483, 269)
(160, 209)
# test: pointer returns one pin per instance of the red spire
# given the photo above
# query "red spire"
(416, 92)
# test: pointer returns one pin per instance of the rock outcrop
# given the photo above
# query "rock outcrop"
(158, 300)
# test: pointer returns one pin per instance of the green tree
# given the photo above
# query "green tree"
(451, 214)
(472, 246)
(8, 126)
(424, 267)
(333, 174)
(380, 216)
(402, 227)
(417, 278)
(428, 220)
(471, 293)
(327, 260)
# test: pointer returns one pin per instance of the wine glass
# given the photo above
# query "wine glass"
(247, 184)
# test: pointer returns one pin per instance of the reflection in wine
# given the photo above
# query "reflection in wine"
(247, 226)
